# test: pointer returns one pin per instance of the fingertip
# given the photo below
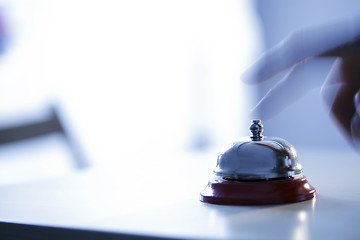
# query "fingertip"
(255, 113)
(263, 111)
(250, 76)
(266, 66)
(257, 71)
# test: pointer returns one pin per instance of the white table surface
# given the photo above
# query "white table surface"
(148, 200)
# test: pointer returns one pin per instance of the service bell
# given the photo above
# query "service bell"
(258, 170)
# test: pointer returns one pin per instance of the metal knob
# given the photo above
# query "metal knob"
(256, 128)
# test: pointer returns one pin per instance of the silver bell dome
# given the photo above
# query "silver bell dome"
(258, 158)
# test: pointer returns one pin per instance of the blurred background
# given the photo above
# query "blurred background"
(110, 81)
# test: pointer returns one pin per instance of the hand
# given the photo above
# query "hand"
(304, 49)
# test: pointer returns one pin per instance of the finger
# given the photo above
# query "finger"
(300, 45)
(342, 86)
(300, 80)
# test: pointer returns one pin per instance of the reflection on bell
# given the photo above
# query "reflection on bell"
(258, 170)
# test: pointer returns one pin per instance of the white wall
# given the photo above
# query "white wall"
(131, 76)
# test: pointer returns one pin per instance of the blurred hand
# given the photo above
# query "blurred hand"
(300, 51)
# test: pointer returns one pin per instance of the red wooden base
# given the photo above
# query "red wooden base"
(258, 192)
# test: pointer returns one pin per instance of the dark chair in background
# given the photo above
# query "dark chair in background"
(50, 125)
